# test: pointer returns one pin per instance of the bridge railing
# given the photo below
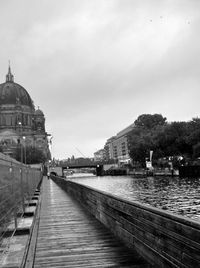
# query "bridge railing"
(17, 184)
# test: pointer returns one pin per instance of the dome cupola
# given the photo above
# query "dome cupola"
(13, 93)
(38, 112)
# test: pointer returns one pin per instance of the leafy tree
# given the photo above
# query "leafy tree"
(152, 132)
(141, 141)
(173, 141)
(150, 121)
(33, 155)
(196, 150)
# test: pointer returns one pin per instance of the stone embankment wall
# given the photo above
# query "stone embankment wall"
(164, 239)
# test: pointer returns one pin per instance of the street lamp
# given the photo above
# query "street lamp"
(21, 169)
(20, 141)
(24, 138)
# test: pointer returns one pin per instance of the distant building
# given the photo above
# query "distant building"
(19, 121)
(109, 150)
(99, 155)
(117, 147)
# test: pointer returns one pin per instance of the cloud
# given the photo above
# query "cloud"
(94, 66)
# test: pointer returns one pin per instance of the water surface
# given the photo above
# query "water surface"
(180, 196)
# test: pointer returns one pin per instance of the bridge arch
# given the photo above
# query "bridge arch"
(99, 168)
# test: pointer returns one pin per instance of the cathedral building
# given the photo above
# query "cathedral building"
(20, 122)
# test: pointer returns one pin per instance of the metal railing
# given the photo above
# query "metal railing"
(18, 183)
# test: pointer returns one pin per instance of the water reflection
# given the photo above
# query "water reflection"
(180, 196)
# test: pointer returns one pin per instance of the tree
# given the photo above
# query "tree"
(33, 155)
(150, 121)
(175, 139)
(196, 150)
(140, 143)
(143, 138)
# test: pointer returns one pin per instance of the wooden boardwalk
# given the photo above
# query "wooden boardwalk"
(68, 236)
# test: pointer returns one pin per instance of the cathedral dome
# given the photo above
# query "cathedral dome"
(13, 93)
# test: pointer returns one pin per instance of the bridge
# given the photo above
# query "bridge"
(60, 170)
(66, 224)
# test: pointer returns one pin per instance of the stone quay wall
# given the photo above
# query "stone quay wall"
(162, 238)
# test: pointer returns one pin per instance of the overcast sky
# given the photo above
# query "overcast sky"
(94, 66)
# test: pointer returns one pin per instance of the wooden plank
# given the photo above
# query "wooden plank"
(172, 225)
(174, 239)
(68, 236)
(30, 251)
(153, 244)
(159, 237)
(122, 209)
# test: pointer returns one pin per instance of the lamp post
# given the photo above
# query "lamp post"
(21, 169)
(20, 140)
(24, 138)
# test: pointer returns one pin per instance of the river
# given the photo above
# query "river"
(180, 196)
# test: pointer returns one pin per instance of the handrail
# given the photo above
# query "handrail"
(17, 184)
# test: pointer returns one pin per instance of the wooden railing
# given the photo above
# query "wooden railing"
(164, 239)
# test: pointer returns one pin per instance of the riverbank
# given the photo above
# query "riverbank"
(155, 172)
(141, 172)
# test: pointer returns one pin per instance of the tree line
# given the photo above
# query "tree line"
(179, 141)
(28, 154)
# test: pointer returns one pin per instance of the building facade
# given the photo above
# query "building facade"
(117, 147)
(20, 122)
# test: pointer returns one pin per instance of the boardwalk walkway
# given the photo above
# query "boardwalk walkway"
(70, 237)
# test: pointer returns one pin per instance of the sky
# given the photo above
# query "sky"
(94, 66)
